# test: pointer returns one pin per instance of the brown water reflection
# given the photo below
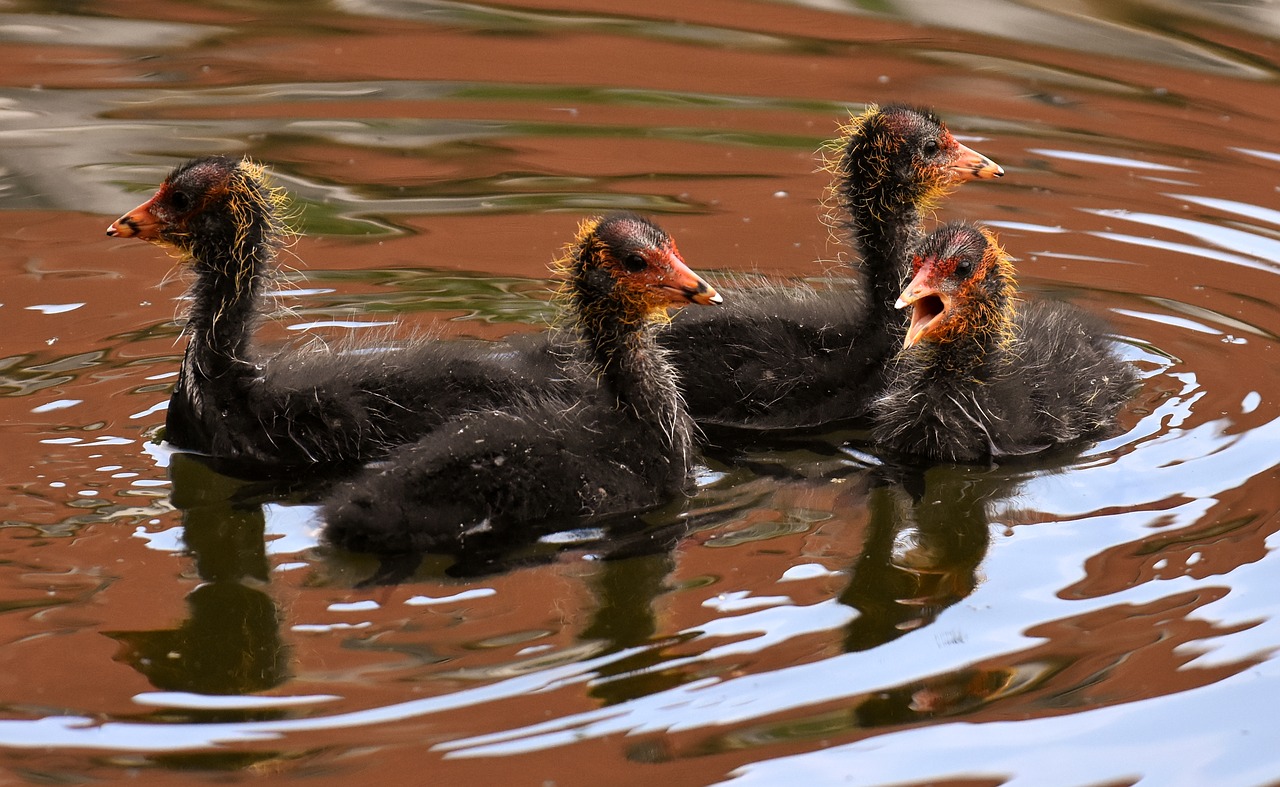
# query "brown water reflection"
(809, 614)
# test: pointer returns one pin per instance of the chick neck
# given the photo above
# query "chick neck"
(617, 336)
(883, 201)
(231, 249)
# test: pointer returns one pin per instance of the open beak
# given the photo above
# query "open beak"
(927, 303)
(972, 165)
(138, 223)
(681, 285)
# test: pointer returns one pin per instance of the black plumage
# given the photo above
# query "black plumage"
(306, 406)
(781, 358)
(981, 377)
(622, 441)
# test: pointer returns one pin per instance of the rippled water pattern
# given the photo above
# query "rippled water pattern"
(1103, 617)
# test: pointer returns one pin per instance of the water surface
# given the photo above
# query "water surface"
(1100, 617)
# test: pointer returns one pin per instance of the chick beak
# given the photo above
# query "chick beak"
(681, 285)
(972, 165)
(138, 223)
(927, 305)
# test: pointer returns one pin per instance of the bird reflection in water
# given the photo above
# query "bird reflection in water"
(928, 532)
(230, 643)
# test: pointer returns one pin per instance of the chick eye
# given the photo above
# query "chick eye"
(180, 201)
(634, 262)
(963, 267)
(930, 147)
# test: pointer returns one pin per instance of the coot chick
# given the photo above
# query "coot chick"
(296, 407)
(981, 377)
(623, 441)
(782, 358)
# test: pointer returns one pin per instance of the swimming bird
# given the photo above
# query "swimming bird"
(293, 407)
(622, 441)
(981, 377)
(780, 357)
(785, 358)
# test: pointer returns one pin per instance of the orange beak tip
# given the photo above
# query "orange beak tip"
(900, 303)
